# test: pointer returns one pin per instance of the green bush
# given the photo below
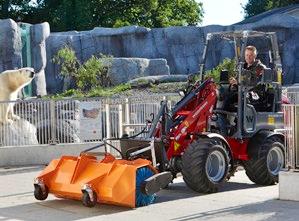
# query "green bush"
(68, 62)
(93, 73)
(227, 64)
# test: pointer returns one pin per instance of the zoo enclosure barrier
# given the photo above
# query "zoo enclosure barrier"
(291, 130)
(49, 122)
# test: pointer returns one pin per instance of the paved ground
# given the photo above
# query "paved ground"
(239, 199)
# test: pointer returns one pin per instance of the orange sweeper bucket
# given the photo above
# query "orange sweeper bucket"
(130, 183)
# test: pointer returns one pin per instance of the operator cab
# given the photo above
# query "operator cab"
(260, 101)
(263, 111)
(253, 104)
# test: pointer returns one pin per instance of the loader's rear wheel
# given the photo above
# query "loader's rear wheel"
(142, 199)
(87, 201)
(205, 165)
(39, 193)
(264, 169)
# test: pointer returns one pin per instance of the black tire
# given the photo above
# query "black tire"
(194, 166)
(39, 194)
(87, 201)
(258, 169)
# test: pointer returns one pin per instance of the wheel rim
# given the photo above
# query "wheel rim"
(275, 160)
(215, 166)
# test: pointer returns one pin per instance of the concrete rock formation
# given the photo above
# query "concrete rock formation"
(10, 45)
(14, 49)
(39, 33)
(19, 133)
(145, 81)
(123, 69)
(181, 47)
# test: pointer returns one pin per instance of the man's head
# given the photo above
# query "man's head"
(250, 54)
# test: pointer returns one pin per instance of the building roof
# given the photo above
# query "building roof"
(292, 10)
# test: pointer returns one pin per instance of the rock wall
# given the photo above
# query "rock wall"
(181, 46)
(123, 69)
(135, 47)
(39, 33)
(12, 50)
(20, 132)
(10, 45)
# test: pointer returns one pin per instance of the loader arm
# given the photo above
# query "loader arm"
(194, 118)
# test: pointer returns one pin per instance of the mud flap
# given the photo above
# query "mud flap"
(156, 182)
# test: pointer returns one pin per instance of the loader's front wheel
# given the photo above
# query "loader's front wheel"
(40, 193)
(263, 168)
(205, 165)
(87, 201)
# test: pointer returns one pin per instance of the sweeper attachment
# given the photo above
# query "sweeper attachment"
(129, 181)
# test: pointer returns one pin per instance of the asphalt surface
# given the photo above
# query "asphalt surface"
(239, 199)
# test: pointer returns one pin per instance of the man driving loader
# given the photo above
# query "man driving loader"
(251, 64)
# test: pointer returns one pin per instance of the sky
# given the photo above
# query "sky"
(222, 12)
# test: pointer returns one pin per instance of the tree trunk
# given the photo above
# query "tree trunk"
(5, 7)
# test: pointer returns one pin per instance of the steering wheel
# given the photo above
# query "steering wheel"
(249, 78)
(232, 88)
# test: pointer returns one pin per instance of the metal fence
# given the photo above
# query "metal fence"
(291, 124)
(44, 122)
(291, 137)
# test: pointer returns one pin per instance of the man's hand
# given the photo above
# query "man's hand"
(233, 81)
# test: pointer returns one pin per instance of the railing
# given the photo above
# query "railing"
(291, 124)
(293, 97)
(47, 122)
(291, 135)
(44, 122)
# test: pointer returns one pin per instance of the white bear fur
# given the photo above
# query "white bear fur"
(11, 82)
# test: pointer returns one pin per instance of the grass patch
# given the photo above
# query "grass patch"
(94, 92)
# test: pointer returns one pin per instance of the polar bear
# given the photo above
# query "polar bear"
(11, 82)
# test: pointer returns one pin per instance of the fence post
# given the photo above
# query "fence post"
(53, 122)
(120, 120)
(295, 135)
(127, 116)
(108, 124)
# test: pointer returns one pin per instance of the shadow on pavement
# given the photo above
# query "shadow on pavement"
(56, 210)
(63, 209)
(179, 190)
(269, 210)
(231, 186)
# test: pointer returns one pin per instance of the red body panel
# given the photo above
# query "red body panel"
(238, 148)
(196, 113)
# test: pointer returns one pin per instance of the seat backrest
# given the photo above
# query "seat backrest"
(224, 77)
(269, 76)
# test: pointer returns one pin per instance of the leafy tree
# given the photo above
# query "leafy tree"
(254, 7)
(64, 15)
(15, 9)
(160, 13)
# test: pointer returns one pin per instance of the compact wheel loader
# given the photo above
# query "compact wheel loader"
(197, 138)
(206, 142)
